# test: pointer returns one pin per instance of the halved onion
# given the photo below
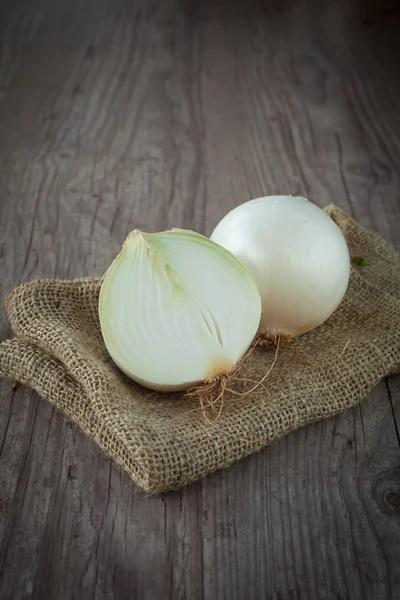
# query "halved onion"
(177, 309)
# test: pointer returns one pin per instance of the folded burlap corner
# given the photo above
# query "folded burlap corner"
(58, 351)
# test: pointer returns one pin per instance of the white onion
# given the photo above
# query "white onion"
(176, 309)
(297, 256)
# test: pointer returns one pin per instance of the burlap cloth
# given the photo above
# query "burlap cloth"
(58, 351)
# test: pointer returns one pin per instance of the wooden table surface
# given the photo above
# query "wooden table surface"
(118, 114)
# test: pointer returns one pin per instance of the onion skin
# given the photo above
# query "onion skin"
(297, 256)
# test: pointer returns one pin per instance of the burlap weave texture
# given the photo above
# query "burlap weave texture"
(58, 351)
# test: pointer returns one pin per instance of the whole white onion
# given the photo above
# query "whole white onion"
(297, 256)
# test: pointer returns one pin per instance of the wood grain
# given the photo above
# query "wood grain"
(117, 114)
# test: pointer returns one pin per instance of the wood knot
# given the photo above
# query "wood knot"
(393, 499)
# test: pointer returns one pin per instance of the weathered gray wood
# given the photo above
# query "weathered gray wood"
(122, 114)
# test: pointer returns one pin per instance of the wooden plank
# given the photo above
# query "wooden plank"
(121, 114)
